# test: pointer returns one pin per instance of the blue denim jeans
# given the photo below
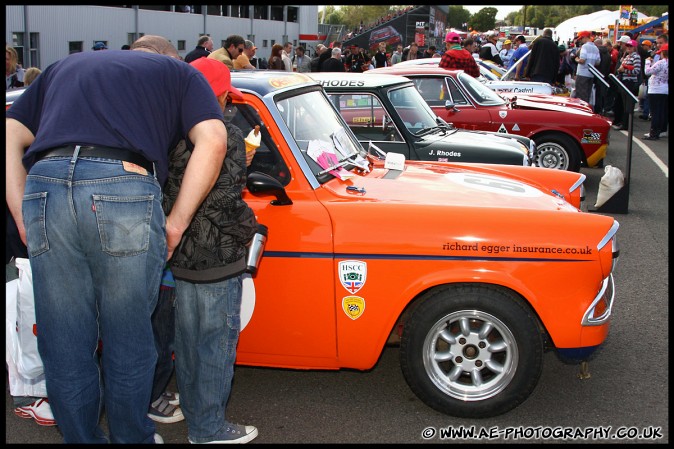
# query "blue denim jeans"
(207, 331)
(163, 325)
(97, 247)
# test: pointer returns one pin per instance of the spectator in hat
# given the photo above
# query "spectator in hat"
(202, 50)
(488, 51)
(208, 267)
(458, 58)
(243, 61)
(99, 46)
(521, 50)
(629, 72)
(506, 53)
(564, 66)
(588, 55)
(543, 64)
(658, 93)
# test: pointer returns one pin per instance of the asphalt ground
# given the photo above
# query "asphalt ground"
(628, 389)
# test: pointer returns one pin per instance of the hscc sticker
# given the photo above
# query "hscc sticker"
(352, 275)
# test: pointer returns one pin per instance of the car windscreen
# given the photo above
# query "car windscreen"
(480, 93)
(413, 110)
(327, 144)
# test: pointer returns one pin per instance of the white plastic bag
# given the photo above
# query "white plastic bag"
(29, 363)
(612, 181)
(593, 94)
(18, 384)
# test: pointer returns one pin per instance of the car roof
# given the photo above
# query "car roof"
(264, 82)
(413, 70)
(360, 80)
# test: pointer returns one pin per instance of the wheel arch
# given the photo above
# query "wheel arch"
(396, 330)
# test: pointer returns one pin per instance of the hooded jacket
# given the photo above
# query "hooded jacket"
(213, 247)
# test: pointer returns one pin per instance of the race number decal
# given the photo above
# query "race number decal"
(493, 184)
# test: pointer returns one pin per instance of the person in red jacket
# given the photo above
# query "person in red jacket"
(458, 58)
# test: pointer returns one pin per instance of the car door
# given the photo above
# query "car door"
(291, 297)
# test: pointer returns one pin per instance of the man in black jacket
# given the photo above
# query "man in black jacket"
(543, 64)
(204, 48)
(333, 64)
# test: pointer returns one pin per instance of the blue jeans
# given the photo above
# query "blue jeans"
(207, 331)
(97, 247)
(163, 325)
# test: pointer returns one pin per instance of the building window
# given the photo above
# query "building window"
(260, 12)
(273, 41)
(75, 47)
(181, 45)
(293, 14)
(264, 43)
(277, 13)
(214, 10)
(241, 11)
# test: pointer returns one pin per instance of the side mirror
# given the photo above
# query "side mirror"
(261, 183)
(449, 105)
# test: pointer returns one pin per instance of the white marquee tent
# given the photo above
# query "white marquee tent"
(591, 22)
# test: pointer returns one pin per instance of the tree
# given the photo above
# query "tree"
(483, 20)
(457, 15)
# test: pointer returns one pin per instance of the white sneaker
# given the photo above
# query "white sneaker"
(158, 439)
(663, 134)
(40, 410)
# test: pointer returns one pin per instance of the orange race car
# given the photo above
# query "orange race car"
(461, 262)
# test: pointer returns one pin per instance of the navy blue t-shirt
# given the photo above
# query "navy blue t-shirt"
(135, 100)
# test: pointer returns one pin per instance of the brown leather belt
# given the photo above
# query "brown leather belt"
(118, 154)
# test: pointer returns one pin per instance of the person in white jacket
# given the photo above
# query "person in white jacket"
(658, 92)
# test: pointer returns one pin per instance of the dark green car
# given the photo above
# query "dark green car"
(388, 111)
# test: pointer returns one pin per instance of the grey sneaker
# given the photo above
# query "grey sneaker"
(663, 134)
(158, 439)
(163, 412)
(234, 434)
(171, 397)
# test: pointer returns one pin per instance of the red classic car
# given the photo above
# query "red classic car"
(566, 134)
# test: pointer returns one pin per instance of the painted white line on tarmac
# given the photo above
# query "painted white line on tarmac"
(650, 154)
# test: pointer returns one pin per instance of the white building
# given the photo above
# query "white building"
(43, 34)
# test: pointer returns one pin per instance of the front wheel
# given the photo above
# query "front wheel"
(471, 351)
(557, 151)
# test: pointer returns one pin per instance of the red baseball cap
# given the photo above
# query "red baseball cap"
(663, 47)
(452, 37)
(218, 76)
(584, 34)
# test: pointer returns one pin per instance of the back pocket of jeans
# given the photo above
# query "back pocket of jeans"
(33, 210)
(124, 223)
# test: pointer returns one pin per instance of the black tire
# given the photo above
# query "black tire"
(557, 151)
(487, 375)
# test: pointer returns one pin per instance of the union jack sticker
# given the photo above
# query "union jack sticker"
(352, 275)
(353, 306)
